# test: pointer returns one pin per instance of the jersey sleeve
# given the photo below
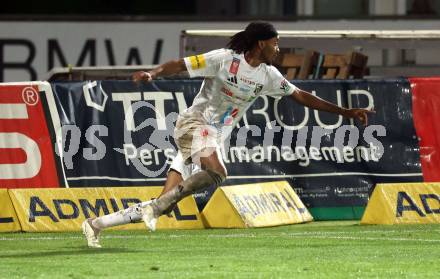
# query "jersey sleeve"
(207, 64)
(278, 86)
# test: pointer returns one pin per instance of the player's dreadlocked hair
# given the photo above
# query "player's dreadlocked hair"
(256, 31)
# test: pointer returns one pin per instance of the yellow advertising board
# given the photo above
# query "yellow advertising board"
(8, 219)
(255, 205)
(65, 209)
(403, 203)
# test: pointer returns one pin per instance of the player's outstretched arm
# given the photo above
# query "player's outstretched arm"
(167, 69)
(307, 99)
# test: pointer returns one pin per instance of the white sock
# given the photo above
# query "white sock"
(129, 215)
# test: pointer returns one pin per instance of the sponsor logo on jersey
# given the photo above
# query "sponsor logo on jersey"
(229, 115)
(246, 80)
(233, 69)
(229, 93)
(245, 89)
(197, 62)
(285, 86)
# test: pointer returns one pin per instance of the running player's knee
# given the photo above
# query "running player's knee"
(218, 176)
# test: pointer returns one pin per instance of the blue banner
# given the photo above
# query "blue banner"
(117, 133)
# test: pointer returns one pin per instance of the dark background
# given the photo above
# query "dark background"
(207, 9)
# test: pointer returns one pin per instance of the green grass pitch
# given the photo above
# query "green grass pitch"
(340, 249)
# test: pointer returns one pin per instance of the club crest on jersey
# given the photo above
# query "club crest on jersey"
(234, 66)
(258, 88)
(285, 86)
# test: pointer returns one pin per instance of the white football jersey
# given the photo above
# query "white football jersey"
(231, 86)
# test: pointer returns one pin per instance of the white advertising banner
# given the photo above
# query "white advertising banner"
(28, 50)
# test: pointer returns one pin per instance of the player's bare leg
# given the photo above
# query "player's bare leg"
(174, 178)
(213, 172)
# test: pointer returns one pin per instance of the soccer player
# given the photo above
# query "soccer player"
(234, 78)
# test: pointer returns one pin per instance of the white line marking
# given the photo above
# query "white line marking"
(115, 178)
(375, 238)
(316, 235)
(329, 174)
(257, 176)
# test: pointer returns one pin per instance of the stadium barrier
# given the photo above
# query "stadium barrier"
(64, 209)
(26, 136)
(403, 203)
(90, 134)
(50, 210)
(8, 218)
(255, 205)
(426, 101)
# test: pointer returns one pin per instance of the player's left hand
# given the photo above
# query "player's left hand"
(359, 114)
(141, 76)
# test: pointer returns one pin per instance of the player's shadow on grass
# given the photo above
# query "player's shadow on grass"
(72, 252)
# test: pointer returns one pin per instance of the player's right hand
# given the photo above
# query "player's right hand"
(141, 76)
